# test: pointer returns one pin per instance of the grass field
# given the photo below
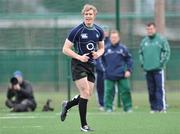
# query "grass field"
(118, 122)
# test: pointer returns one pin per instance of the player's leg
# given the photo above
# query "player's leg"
(66, 105)
(9, 103)
(77, 73)
(85, 88)
(160, 91)
(124, 88)
(119, 99)
(30, 104)
(109, 95)
(151, 90)
(100, 88)
(73, 102)
(25, 106)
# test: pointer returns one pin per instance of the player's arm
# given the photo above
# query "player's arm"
(100, 50)
(141, 54)
(67, 50)
(129, 63)
(26, 91)
(10, 93)
(165, 54)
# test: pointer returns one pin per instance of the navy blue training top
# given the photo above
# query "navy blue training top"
(85, 39)
(116, 60)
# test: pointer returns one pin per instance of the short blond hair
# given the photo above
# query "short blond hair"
(88, 7)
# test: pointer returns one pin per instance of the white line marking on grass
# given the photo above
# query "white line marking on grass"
(25, 117)
(15, 114)
(10, 127)
(36, 116)
(123, 113)
(25, 114)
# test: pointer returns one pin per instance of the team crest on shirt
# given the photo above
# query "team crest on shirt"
(84, 36)
(109, 51)
(157, 43)
(120, 51)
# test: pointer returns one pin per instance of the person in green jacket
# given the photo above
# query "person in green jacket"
(154, 53)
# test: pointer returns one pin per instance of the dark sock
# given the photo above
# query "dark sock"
(73, 102)
(83, 110)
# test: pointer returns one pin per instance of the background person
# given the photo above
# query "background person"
(100, 72)
(118, 67)
(154, 53)
(20, 96)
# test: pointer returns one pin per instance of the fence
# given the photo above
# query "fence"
(32, 36)
(49, 69)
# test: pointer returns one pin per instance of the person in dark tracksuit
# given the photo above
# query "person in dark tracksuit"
(100, 72)
(20, 96)
(154, 53)
(118, 67)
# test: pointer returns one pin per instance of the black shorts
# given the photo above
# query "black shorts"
(82, 69)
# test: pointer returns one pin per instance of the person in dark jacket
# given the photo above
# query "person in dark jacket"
(100, 72)
(118, 68)
(20, 96)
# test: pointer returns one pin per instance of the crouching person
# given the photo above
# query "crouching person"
(20, 96)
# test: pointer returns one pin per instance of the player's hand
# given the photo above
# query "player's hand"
(16, 87)
(10, 86)
(84, 58)
(95, 55)
(127, 74)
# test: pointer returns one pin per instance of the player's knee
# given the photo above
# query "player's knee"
(86, 94)
(9, 103)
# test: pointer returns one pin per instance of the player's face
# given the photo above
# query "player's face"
(106, 33)
(114, 37)
(89, 17)
(151, 30)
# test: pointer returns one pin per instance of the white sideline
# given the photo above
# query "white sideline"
(11, 127)
(39, 115)
(25, 117)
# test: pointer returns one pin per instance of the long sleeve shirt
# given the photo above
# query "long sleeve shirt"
(154, 52)
(117, 60)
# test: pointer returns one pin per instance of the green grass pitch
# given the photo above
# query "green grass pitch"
(117, 122)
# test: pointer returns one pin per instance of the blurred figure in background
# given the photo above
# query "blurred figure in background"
(20, 96)
(154, 53)
(100, 72)
(118, 67)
